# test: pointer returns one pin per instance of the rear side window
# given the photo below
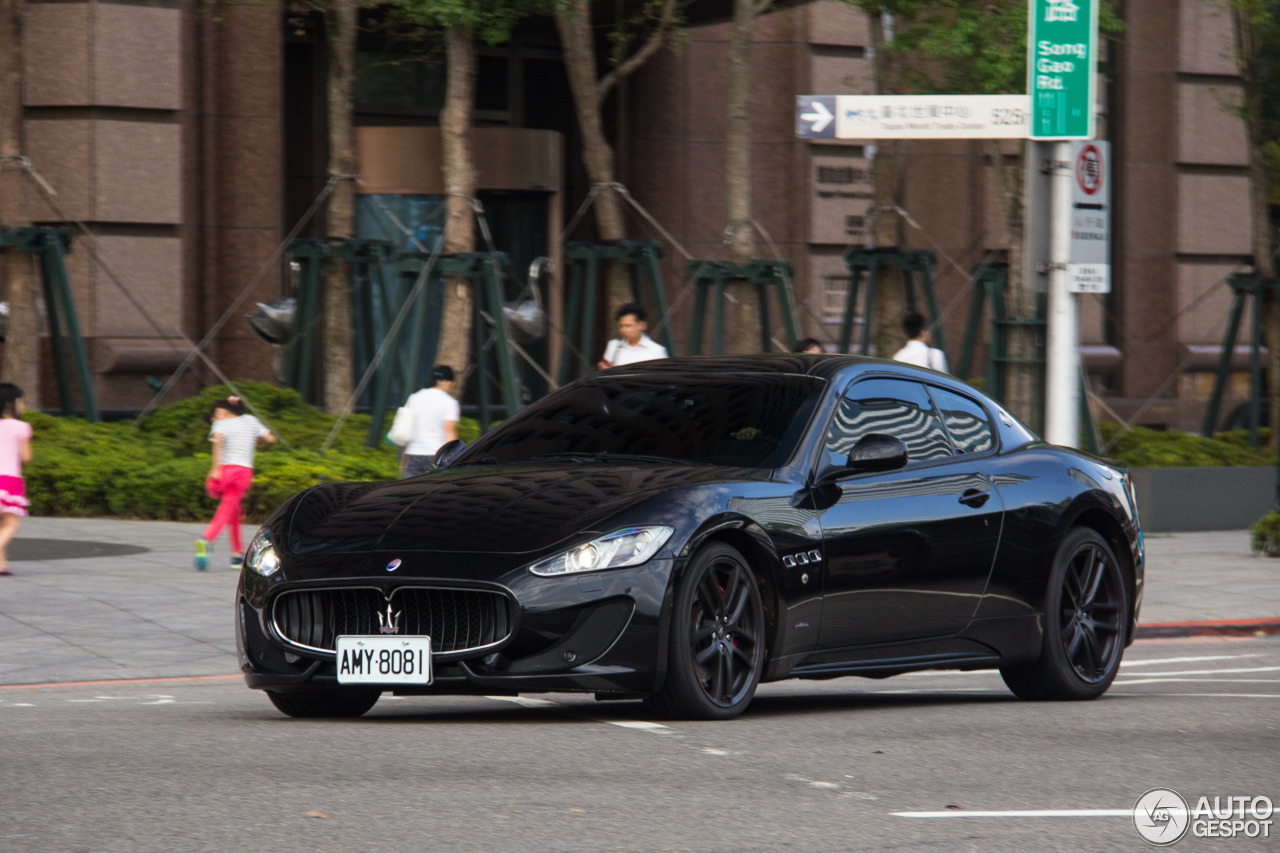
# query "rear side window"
(894, 407)
(966, 421)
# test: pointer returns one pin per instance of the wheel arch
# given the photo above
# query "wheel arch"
(750, 540)
(1105, 525)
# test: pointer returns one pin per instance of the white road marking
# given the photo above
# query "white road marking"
(1211, 695)
(1219, 671)
(1022, 813)
(1155, 678)
(640, 725)
(1156, 661)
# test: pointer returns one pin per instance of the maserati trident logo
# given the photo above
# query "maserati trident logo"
(393, 565)
(389, 622)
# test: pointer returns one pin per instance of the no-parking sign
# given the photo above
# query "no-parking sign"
(1089, 259)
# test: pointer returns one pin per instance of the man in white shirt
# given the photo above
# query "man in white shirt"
(918, 351)
(633, 344)
(435, 422)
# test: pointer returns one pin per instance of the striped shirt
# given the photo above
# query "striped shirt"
(239, 439)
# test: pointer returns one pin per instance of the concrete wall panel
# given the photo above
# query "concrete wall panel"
(136, 57)
(137, 172)
(839, 25)
(1205, 40)
(1210, 131)
(839, 75)
(1206, 323)
(61, 151)
(151, 268)
(1213, 215)
(56, 55)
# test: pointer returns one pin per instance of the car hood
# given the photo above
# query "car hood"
(511, 510)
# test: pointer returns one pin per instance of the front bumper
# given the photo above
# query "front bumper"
(601, 632)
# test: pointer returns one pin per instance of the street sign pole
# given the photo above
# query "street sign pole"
(1062, 357)
(1061, 83)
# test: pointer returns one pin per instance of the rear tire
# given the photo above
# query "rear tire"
(716, 652)
(1085, 624)
(325, 703)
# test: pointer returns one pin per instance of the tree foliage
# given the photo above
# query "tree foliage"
(967, 47)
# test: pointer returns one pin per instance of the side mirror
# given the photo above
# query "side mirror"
(448, 452)
(877, 452)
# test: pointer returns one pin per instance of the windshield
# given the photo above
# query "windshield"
(751, 421)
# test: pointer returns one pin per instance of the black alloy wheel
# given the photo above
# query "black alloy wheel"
(325, 703)
(1086, 616)
(717, 648)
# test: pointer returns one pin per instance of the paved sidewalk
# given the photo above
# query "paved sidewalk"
(104, 599)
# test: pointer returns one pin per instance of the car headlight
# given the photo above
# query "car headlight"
(628, 547)
(261, 556)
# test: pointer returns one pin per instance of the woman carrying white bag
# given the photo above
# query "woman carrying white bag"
(426, 421)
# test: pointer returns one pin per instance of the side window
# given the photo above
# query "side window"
(966, 421)
(893, 407)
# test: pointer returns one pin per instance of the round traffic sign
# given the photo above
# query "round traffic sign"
(1089, 171)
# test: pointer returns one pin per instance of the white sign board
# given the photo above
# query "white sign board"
(913, 116)
(1089, 258)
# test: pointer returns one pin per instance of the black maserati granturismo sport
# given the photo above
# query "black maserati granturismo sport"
(682, 530)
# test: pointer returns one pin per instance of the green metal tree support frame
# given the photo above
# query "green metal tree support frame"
(584, 262)
(1245, 286)
(377, 295)
(711, 278)
(913, 262)
(989, 282)
(52, 244)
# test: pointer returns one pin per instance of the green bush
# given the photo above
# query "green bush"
(1140, 447)
(157, 471)
(1264, 535)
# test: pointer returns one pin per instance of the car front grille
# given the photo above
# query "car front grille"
(457, 620)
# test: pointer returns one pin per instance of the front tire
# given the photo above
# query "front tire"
(325, 703)
(716, 652)
(1085, 624)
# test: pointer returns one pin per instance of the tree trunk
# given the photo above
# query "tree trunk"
(1025, 380)
(21, 363)
(460, 182)
(891, 285)
(1260, 226)
(578, 41)
(746, 336)
(338, 385)
(886, 176)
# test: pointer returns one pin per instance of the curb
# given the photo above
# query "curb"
(1227, 628)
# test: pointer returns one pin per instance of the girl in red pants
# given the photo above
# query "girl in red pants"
(235, 438)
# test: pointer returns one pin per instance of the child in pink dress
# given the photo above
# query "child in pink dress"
(235, 438)
(15, 451)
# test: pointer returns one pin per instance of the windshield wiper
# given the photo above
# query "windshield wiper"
(605, 456)
(644, 457)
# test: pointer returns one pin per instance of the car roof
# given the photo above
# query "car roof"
(821, 366)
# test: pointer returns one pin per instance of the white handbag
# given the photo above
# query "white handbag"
(401, 427)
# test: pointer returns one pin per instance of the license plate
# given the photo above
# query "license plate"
(384, 660)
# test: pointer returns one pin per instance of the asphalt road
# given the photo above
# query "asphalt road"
(849, 764)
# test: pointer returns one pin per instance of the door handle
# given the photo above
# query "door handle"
(974, 497)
